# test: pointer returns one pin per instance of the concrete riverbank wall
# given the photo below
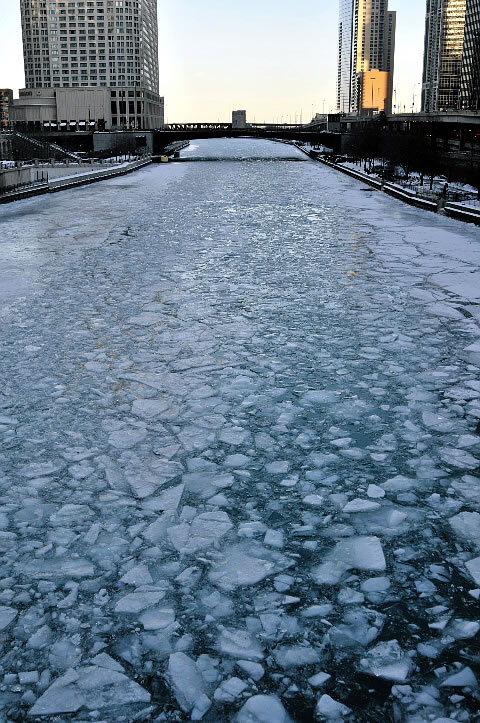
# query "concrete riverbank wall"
(49, 179)
(454, 210)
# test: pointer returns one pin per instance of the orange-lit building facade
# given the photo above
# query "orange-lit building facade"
(374, 91)
(366, 50)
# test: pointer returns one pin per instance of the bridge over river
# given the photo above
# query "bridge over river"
(311, 133)
(239, 448)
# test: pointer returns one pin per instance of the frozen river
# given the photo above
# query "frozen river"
(239, 461)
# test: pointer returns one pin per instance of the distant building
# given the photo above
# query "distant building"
(451, 61)
(6, 98)
(366, 50)
(239, 119)
(98, 59)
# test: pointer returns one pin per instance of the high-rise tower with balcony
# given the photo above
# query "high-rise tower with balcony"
(75, 48)
(366, 49)
(451, 61)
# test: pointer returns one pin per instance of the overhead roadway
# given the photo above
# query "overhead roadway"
(316, 134)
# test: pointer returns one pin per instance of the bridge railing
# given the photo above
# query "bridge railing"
(228, 126)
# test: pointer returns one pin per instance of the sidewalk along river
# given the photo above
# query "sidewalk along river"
(240, 439)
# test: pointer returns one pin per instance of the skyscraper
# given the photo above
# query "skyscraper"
(470, 78)
(366, 49)
(451, 55)
(94, 44)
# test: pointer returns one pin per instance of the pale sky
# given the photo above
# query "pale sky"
(275, 58)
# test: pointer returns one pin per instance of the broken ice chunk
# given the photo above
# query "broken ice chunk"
(149, 408)
(40, 469)
(144, 481)
(329, 572)
(245, 566)
(375, 584)
(168, 500)
(60, 567)
(290, 656)
(186, 680)
(206, 484)
(217, 604)
(463, 678)
(473, 567)
(348, 596)
(229, 690)
(314, 500)
(375, 491)
(239, 644)
(157, 618)
(317, 611)
(105, 661)
(127, 437)
(319, 459)
(92, 687)
(7, 615)
(274, 538)
(467, 526)
(320, 396)
(71, 598)
(62, 696)
(399, 484)
(28, 677)
(467, 440)
(360, 553)
(463, 629)
(263, 709)
(204, 531)
(137, 576)
(278, 467)
(330, 709)
(234, 436)
(70, 513)
(360, 627)
(387, 660)
(458, 458)
(236, 461)
(251, 529)
(254, 670)
(438, 422)
(146, 318)
(40, 638)
(359, 505)
(317, 680)
(138, 601)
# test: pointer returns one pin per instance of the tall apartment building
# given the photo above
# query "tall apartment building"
(74, 47)
(366, 50)
(451, 61)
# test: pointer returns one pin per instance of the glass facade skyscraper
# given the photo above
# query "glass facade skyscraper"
(470, 78)
(451, 55)
(345, 56)
(366, 49)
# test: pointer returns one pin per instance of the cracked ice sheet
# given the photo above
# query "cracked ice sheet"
(229, 441)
